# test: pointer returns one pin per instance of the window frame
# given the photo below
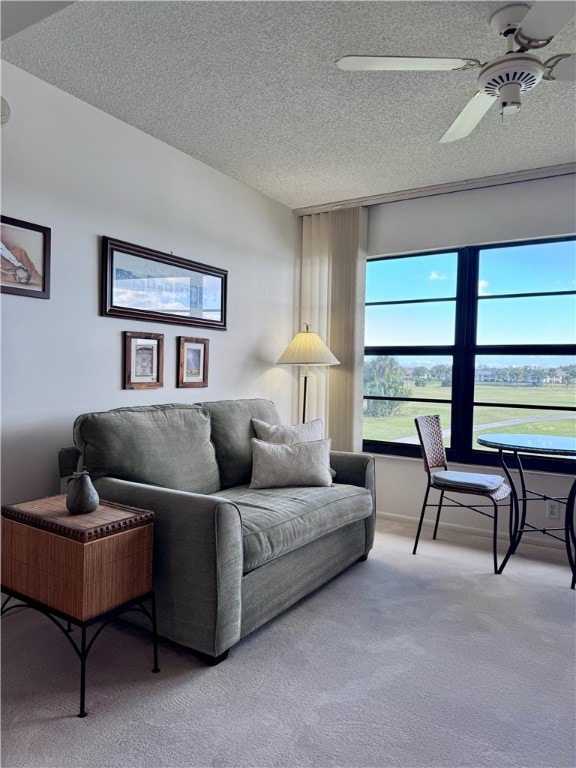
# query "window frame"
(463, 353)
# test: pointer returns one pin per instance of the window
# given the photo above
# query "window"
(483, 336)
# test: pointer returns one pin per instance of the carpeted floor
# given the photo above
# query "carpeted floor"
(414, 662)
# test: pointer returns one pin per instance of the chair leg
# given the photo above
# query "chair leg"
(438, 514)
(421, 521)
(495, 537)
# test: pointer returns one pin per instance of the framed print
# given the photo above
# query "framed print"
(143, 360)
(149, 285)
(25, 258)
(192, 362)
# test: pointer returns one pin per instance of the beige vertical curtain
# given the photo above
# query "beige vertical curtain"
(315, 302)
(332, 301)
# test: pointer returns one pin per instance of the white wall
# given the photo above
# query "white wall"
(523, 211)
(84, 174)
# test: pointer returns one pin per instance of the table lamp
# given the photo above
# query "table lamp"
(306, 349)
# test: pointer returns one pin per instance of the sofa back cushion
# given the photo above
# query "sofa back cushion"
(164, 445)
(232, 433)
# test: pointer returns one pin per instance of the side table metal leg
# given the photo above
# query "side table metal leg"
(83, 645)
(83, 655)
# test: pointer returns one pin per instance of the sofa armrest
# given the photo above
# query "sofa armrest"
(353, 468)
(358, 469)
(198, 562)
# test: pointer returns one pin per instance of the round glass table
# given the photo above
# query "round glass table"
(514, 446)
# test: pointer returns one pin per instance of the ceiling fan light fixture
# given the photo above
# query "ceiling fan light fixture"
(522, 69)
(509, 99)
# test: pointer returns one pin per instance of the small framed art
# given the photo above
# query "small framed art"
(143, 360)
(24, 258)
(192, 362)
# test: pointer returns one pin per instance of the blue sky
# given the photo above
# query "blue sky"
(520, 320)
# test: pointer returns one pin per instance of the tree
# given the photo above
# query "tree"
(569, 375)
(514, 374)
(442, 373)
(420, 375)
(384, 376)
(536, 376)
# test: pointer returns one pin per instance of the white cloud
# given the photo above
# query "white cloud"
(483, 288)
(436, 276)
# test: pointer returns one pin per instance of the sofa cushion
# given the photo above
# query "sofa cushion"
(279, 520)
(276, 466)
(232, 432)
(165, 445)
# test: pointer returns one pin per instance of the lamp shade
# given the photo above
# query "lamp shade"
(307, 348)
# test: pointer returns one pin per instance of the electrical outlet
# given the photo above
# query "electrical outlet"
(552, 509)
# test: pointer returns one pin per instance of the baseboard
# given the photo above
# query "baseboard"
(470, 530)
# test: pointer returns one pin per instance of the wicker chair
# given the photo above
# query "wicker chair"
(441, 479)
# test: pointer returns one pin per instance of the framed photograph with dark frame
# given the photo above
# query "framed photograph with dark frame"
(192, 361)
(149, 285)
(25, 258)
(143, 360)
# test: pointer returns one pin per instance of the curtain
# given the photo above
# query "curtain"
(315, 304)
(332, 281)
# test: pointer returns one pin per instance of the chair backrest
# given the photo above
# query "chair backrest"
(431, 442)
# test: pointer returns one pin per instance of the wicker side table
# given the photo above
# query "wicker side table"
(82, 569)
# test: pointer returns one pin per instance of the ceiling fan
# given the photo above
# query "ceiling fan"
(504, 78)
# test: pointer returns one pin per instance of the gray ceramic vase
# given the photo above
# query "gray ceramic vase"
(82, 496)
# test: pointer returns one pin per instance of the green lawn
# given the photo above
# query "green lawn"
(550, 394)
(401, 423)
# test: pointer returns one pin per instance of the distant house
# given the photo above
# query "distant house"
(487, 375)
(555, 377)
(416, 374)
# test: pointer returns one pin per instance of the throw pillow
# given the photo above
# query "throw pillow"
(286, 435)
(282, 434)
(279, 466)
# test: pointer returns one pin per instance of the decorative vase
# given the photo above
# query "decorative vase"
(82, 496)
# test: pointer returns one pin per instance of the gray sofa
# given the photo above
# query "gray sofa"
(227, 558)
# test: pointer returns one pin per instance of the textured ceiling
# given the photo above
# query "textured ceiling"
(251, 88)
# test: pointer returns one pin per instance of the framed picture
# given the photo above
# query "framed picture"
(25, 258)
(149, 285)
(192, 362)
(143, 360)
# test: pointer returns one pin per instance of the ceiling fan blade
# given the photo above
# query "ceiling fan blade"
(543, 21)
(469, 118)
(561, 67)
(403, 63)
